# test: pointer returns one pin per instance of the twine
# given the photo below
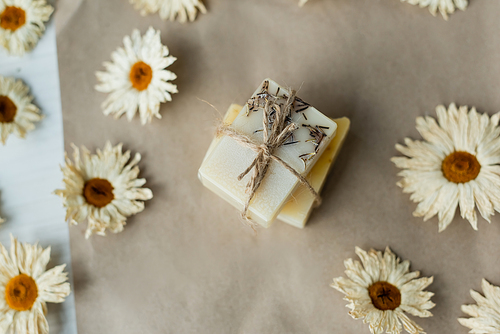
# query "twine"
(275, 133)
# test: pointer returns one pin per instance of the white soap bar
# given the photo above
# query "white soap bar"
(299, 207)
(228, 159)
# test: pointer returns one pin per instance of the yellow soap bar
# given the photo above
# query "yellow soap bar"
(299, 207)
(297, 210)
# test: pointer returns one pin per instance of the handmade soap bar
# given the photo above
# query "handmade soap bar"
(299, 207)
(297, 210)
(228, 158)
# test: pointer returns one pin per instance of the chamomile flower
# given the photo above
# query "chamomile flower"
(181, 10)
(103, 189)
(380, 289)
(26, 287)
(456, 166)
(137, 78)
(17, 113)
(22, 23)
(445, 7)
(485, 315)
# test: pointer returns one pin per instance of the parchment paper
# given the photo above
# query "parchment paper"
(186, 264)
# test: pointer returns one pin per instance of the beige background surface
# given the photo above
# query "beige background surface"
(186, 264)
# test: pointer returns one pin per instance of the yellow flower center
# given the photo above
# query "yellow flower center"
(141, 75)
(21, 293)
(385, 296)
(12, 18)
(98, 192)
(460, 167)
(8, 110)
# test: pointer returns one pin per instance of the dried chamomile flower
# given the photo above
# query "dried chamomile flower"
(445, 7)
(103, 189)
(17, 113)
(456, 165)
(26, 287)
(22, 23)
(137, 78)
(380, 289)
(486, 314)
(171, 9)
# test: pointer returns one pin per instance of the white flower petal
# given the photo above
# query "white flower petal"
(466, 202)
(482, 200)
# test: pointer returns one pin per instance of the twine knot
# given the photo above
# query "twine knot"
(266, 151)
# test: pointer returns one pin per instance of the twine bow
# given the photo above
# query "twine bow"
(277, 129)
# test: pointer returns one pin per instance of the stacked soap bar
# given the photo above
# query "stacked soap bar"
(311, 150)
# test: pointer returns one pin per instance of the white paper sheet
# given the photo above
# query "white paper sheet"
(29, 170)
